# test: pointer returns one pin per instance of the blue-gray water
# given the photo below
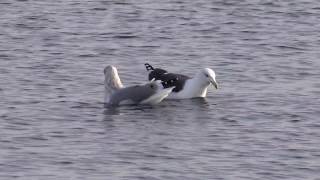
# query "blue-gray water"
(263, 122)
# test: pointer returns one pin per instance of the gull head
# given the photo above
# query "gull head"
(209, 76)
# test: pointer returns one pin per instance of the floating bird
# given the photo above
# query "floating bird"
(185, 86)
(116, 94)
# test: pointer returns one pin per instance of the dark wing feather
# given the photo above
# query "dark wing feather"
(168, 79)
(171, 79)
(156, 74)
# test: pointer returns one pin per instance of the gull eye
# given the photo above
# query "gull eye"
(207, 75)
(152, 86)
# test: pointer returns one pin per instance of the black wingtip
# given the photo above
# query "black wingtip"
(148, 67)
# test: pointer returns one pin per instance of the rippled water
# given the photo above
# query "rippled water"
(263, 123)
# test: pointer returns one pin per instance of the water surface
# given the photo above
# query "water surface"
(263, 122)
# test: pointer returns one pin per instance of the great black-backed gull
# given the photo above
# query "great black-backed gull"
(185, 86)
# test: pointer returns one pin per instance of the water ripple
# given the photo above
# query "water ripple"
(261, 124)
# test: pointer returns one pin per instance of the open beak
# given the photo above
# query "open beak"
(214, 83)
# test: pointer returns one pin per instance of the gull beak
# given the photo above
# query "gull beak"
(214, 83)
